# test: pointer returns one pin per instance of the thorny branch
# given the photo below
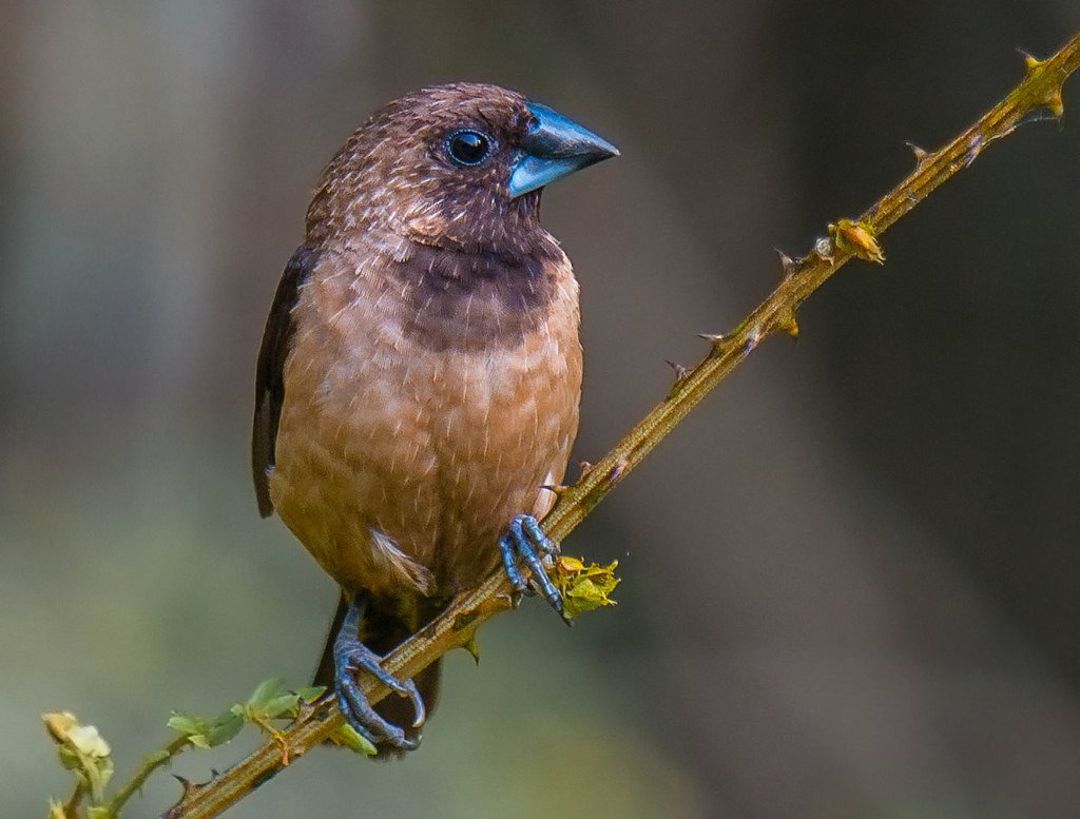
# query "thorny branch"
(1039, 90)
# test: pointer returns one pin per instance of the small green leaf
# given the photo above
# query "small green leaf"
(270, 700)
(194, 728)
(283, 706)
(185, 724)
(203, 733)
(347, 736)
(266, 691)
(224, 727)
(310, 693)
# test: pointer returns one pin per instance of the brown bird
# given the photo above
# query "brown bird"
(420, 373)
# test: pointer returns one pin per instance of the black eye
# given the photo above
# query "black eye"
(468, 147)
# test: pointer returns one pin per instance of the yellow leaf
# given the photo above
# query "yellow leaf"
(584, 587)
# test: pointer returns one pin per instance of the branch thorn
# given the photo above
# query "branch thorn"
(786, 262)
(1030, 61)
(680, 376)
(680, 371)
(185, 783)
(920, 153)
(785, 320)
(472, 647)
(717, 340)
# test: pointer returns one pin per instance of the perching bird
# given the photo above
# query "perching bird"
(420, 372)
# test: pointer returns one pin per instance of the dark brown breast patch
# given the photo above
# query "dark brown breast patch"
(476, 300)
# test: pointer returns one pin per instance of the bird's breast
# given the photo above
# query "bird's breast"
(423, 410)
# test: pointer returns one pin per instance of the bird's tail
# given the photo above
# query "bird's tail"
(382, 630)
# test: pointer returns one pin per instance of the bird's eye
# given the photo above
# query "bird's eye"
(468, 147)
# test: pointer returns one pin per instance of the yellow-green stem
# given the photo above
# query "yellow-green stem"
(150, 764)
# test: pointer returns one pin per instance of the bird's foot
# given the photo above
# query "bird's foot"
(350, 656)
(525, 542)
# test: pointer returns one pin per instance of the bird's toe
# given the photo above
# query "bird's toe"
(526, 543)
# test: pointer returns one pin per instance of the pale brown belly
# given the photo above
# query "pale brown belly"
(399, 467)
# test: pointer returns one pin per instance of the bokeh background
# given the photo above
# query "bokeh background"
(851, 580)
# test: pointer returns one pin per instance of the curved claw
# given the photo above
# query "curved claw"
(351, 655)
(526, 542)
(365, 719)
(366, 660)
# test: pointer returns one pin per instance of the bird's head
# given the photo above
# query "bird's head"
(457, 166)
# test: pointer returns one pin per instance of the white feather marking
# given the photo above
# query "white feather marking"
(386, 552)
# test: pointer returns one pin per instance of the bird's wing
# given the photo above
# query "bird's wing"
(269, 372)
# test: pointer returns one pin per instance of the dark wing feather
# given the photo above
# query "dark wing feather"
(269, 372)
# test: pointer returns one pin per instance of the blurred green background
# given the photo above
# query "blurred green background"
(851, 581)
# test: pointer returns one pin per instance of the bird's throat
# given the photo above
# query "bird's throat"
(473, 300)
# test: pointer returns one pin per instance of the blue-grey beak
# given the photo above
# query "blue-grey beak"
(555, 147)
